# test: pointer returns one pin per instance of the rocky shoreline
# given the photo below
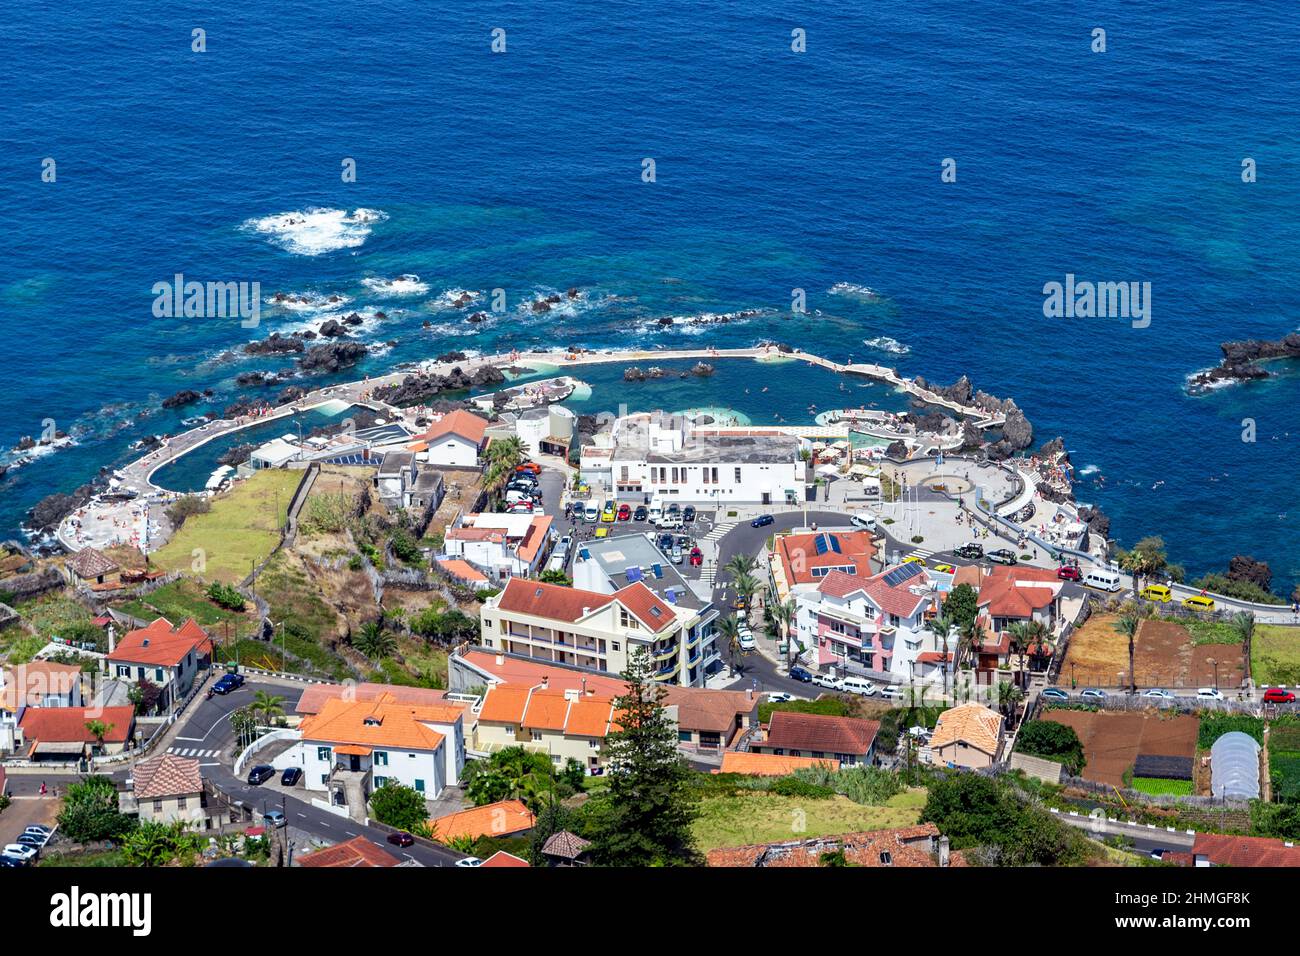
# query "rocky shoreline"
(1241, 361)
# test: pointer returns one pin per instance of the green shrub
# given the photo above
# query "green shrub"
(830, 706)
(224, 595)
(796, 787)
(1215, 725)
(1047, 738)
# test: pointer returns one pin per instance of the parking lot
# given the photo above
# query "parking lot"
(23, 812)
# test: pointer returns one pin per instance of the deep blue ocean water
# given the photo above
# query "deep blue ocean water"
(775, 171)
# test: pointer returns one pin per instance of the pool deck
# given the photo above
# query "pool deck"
(137, 476)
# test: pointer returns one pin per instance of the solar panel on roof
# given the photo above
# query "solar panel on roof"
(901, 574)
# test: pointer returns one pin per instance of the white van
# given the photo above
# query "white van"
(1102, 580)
(656, 510)
(892, 692)
(591, 513)
(863, 519)
(858, 685)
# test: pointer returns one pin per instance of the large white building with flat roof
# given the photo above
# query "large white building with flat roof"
(687, 460)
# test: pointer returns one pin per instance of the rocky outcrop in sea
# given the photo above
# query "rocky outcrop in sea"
(1240, 361)
(417, 389)
(321, 359)
(276, 344)
(184, 397)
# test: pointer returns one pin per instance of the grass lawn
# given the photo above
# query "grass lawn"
(1275, 654)
(748, 818)
(242, 528)
(54, 615)
(183, 599)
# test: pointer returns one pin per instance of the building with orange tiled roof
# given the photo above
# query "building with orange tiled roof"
(357, 852)
(915, 846)
(850, 740)
(968, 735)
(565, 724)
(873, 626)
(1224, 849)
(65, 734)
(165, 655)
(364, 743)
(503, 545)
(799, 562)
(166, 789)
(771, 765)
(503, 859)
(504, 818)
(454, 440)
(34, 684)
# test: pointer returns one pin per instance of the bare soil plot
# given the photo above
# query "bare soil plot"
(1164, 656)
(1111, 742)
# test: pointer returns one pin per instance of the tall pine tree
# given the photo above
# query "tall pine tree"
(645, 819)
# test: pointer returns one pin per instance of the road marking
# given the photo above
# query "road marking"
(209, 765)
(195, 739)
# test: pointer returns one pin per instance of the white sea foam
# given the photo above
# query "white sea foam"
(863, 293)
(698, 322)
(402, 285)
(884, 343)
(314, 231)
(308, 301)
(1089, 470)
(455, 299)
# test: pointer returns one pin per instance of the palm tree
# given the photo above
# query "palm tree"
(244, 723)
(972, 636)
(784, 615)
(746, 586)
(1243, 623)
(267, 706)
(940, 625)
(1127, 624)
(374, 641)
(99, 730)
(509, 451)
(740, 564)
(728, 628)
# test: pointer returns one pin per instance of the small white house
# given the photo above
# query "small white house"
(455, 440)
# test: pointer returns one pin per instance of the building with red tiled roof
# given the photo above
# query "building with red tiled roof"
(38, 684)
(351, 853)
(874, 625)
(167, 656)
(1223, 849)
(504, 545)
(567, 724)
(968, 735)
(166, 789)
(708, 720)
(770, 765)
(802, 561)
(503, 859)
(915, 846)
(455, 440)
(504, 818)
(64, 734)
(376, 736)
(850, 740)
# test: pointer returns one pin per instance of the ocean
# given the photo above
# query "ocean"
(774, 171)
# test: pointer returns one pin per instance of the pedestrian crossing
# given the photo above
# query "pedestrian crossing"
(922, 553)
(709, 573)
(193, 752)
(719, 530)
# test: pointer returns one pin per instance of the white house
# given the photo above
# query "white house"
(395, 479)
(875, 625)
(504, 544)
(276, 453)
(166, 656)
(656, 453)
(454, 441)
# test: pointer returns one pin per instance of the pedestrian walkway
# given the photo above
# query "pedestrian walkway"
(719, 530)
(193, 752)
(921, 553)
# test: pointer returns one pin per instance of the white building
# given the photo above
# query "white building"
(504, 545)
(276, 453)
(875, 626)
(656, 453)
(453, 441)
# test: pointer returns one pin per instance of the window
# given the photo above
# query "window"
(419, 786)
(123, 671)
(537, 735)
(322, 753)
(614, 645)
(324, 778)
(380, 781)
(158, 674)
(737, 474)
(593, 743)
(180, 803)
(157, 806)
(381, 758)
(886, 859)
(684, 736)
(715, 476)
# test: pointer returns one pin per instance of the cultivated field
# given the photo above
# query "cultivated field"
(746, 819)
(1111, 742)
(1275, 654)
(1164, 656)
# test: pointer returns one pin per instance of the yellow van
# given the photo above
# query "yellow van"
(1199, 603)
(1158, 592)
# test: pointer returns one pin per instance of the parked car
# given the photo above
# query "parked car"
(1276, 695)
(830, 683)
(688, 513)
(971, 551)
(1157, 592)
(761, 521)
(801, 674)
(469, 861)
(863, 519)
(607, 515)
(677, 556)
(260, 774)
(624, 512)
(673, 509)
(640, 514)
(1155, 693)
(275, 818)
(697, 557)
(1209, 693)
(779, 697)
(945, 568)
(1069, 572)
(11, 861)
(1002, 556)
(40, 829)
(1054, 693)
(1092, 693)
(914, 559)
(401, 838)
(1199, 602)
(290, 777)
(27, 839)
(892, 692)
(19, 851)
(664, 542)
(228, 683)
(670, 522)
(747, 642)
(529, 466)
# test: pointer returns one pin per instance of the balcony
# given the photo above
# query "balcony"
(666, 653)
(664, 673)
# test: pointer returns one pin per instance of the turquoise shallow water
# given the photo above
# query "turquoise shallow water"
(775, 172)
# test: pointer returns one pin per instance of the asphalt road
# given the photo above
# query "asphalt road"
(208, 728)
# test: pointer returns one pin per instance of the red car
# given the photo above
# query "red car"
(697, 557)
(624, 512)
(1069, 572)
(535, 468)
(1276, 695)
(401, 838)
